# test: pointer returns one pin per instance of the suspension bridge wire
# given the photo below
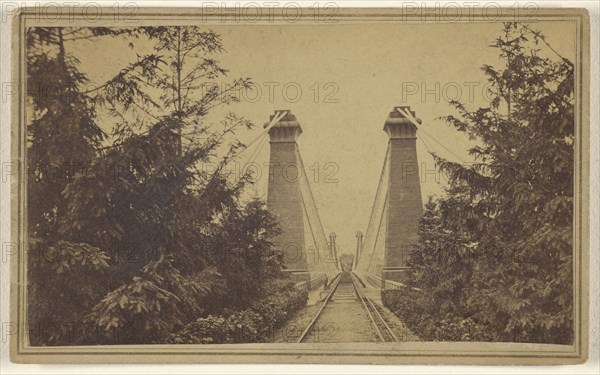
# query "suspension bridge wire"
(239, 174)
(379, 186)
(252, 157)
(419, 127)
(314, 239)
(260, 146)
(278, 116)
(444, 147)
(427, 146)
(383, 211)
(262, 139)
(373, 207)
(381, 215)
(313, 205)
(303, 197)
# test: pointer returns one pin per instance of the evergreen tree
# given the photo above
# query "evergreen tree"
(181, 242)
(63, 136)
(169, 240)
(498, 248)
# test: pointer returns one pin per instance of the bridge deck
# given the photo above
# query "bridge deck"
(343, 319)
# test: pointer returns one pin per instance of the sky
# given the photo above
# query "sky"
(341, 81)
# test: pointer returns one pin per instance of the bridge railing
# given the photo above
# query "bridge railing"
(391, 284)
(381, 283)
(315, 282)
(302, 286)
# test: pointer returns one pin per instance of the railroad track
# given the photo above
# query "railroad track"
(382, 329)
(344, 293)
(312, 323)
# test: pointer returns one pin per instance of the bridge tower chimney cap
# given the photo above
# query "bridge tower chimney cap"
(396, 116)
(287, 129)
(288, 120)
(398, 126)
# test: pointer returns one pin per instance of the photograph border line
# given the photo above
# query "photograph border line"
(463, 352)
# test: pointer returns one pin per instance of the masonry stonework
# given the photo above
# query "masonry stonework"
(405, 205)
(284, 198)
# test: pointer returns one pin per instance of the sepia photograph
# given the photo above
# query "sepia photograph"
(308, 185)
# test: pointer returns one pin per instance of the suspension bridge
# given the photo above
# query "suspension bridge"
(382, 252)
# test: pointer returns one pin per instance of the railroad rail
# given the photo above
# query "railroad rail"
(333, 288)
(382, 330)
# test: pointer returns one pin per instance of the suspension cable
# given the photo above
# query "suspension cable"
(377, 194)
(312, 202)
(427, 146)
(414, 121)
(314, 240)
(261, 144)
(278, 116)
(378, 231)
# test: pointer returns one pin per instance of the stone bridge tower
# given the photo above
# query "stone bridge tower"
(404, 203)
(284, 197)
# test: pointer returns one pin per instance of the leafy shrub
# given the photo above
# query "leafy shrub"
(403, 304)
(138, 305)
(277, 304)
(207, 330)
(244, 326)
(62, 271)
(255, 324)
(422, 318)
